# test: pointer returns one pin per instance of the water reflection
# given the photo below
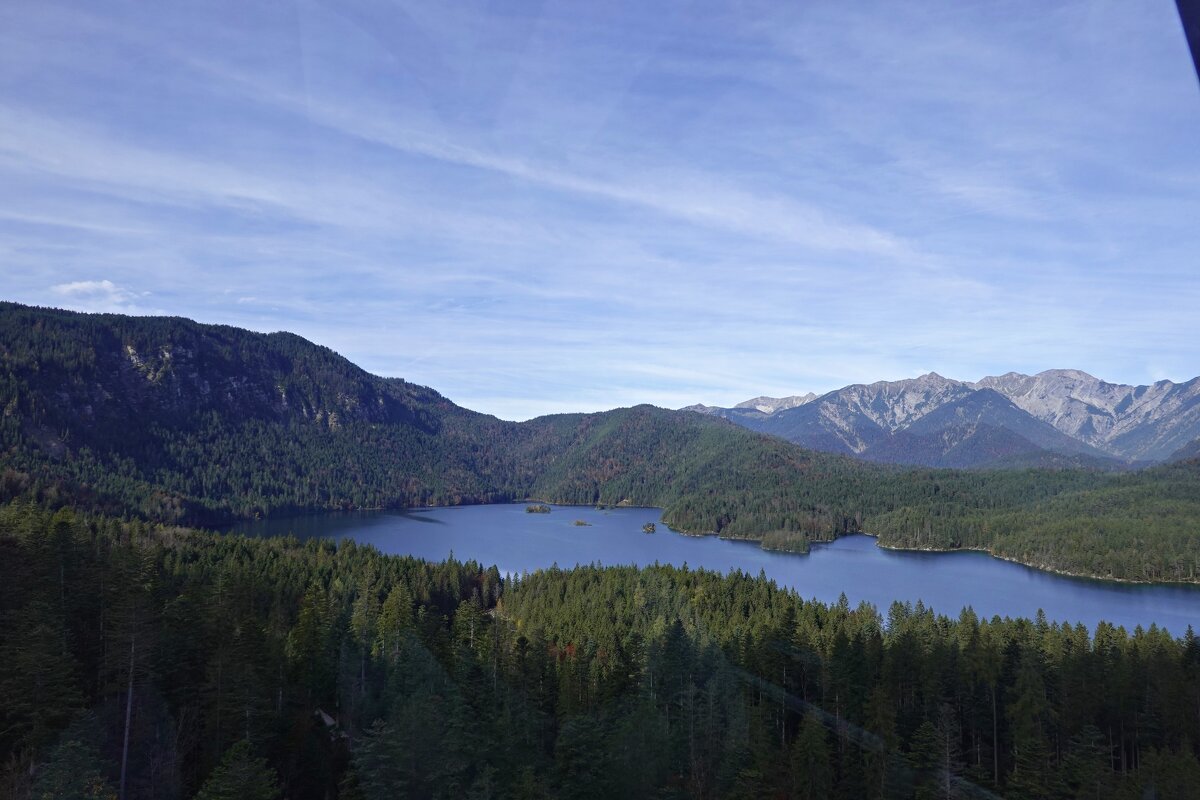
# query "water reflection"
(516, 541)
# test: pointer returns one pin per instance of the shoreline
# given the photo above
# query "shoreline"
(700, 534)
(1038, 567)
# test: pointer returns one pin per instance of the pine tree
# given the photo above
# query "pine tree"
(880, 758)
(308, 645)
(73, 772)
(395, 617)
(38, 681)
(364, 620)
(1027, 712)
(1086, 770)
(241, 776)
(811, 773)
(925, 758)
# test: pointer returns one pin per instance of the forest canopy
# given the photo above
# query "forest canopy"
(161, 662)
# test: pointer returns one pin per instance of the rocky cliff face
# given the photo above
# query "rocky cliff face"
(1063, 412)
(769, 405)
(892, 405)
(1137, 423)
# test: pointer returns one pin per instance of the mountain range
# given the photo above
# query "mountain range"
(1056, 418)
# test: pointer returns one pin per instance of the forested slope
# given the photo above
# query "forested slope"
(192, 422)
(1142, 526)
(180, 422)
(176, 664)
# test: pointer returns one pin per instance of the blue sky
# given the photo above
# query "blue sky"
(539, 207)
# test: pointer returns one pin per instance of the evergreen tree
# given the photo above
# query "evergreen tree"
(309, 645)
(924, 755)
(811, 773)
(40, 684)
(241, 776)
(73, 772)
(1086, 770)
(395, 617)
(1027, 715)
(881, 759)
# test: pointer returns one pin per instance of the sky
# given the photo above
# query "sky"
(537, 207)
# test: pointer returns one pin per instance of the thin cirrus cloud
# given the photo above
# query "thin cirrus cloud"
(99, 296)
(576, 206)
(692, 197)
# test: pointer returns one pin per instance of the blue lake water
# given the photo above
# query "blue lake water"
(516, 541)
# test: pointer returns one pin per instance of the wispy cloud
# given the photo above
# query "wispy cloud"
(575, 206)
(696, 197)
(102, 295)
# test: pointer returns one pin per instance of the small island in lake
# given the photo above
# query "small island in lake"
(649, 527)
(582, 523)
(537, 508)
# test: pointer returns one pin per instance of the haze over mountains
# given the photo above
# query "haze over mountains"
(1055, 418)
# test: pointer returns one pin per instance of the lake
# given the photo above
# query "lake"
(516, 541)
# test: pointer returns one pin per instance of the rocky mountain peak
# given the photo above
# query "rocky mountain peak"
(1068, 375)
(770, 405)
(1129, 423)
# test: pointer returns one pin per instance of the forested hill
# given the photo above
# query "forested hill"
(176, 421)
(171, 418)
(183, 422)
(86, 374)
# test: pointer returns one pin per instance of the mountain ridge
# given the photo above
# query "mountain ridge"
(1099, 424)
